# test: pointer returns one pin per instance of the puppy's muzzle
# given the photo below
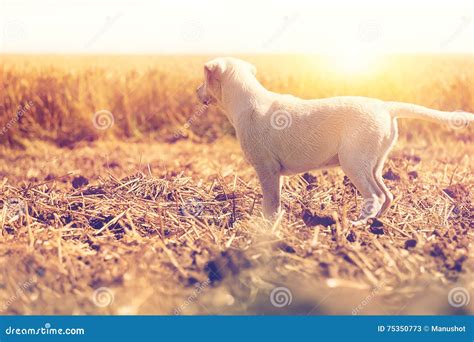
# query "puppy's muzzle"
(204, 99)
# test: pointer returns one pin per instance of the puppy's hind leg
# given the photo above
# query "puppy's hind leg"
(387, 146)
(359, 168)
(271, 188)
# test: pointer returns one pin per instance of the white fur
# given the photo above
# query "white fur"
(283, 134)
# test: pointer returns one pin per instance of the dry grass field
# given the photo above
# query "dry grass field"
(121, 194)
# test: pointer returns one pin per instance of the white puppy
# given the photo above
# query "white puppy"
(282, 134)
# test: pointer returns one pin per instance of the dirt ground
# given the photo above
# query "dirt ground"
(123, 227)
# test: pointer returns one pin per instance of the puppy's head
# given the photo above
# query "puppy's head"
(216, 74)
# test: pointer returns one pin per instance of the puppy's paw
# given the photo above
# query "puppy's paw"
(359, 223)
(275, 217)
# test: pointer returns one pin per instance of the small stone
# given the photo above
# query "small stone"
(376, 223)
(457, 191)
(313, 220)
(224, 197)
(96, 223)
(286, 247)
(414, 158)
(413, 174)
(309, 178)
(213, 272)
(437, 252)
(376, 231)
(79, 182)
(112, 165)
(410, 243)
(40, 271)
(93, 190)
(376, 227)
(49, 177)
(351, 237)
(390, 175)
(192, 281)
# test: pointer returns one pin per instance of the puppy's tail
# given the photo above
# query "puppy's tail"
(457, 119)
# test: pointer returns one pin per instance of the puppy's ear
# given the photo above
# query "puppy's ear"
(214, 70)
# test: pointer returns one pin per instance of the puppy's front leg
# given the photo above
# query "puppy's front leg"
(271, 188)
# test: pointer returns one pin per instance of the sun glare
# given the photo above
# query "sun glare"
(355, 60)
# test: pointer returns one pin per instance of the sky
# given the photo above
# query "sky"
(239, 26)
